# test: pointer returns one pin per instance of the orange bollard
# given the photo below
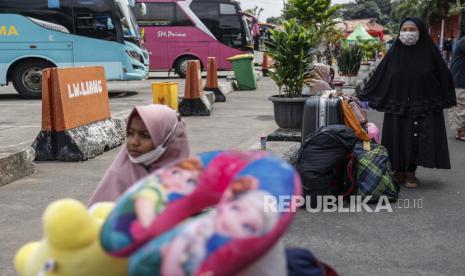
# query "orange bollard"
(193, 103)
(265, 65)
(193, 89)
(212, 80)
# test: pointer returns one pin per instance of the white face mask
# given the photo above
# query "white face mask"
(155, 154)
(149, 157)
(409, 38)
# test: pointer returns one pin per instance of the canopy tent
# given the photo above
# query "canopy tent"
(359, 34)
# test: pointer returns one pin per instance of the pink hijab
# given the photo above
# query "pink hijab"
(321, 80)
(122, 173)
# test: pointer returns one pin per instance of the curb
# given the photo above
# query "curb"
(16, 165)
(289, 151)
(227, 87)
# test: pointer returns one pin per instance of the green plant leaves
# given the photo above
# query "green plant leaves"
(349, 59)
(289, 49)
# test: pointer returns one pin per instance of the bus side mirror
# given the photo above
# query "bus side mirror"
(143, 9)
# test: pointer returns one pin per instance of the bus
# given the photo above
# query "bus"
(38, 34)
(176, 31)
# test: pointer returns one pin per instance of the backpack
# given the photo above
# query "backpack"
(322, 161)
(301, 262)
(374, 176)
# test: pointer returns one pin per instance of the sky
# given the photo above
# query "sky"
(272, 7)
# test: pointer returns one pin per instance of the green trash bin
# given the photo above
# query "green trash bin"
(244, 71)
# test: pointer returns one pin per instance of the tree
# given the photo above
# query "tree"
(431, 11)
(385, 6)
(434, 11)
(363, 9)
(456, 8)
(405, 8)
(316, 14)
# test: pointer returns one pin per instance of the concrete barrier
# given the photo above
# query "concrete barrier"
(16, 164)
(76, 119)
(212, 81)
(194, 102)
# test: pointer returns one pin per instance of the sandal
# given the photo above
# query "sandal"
(410, 180)
(460, 135)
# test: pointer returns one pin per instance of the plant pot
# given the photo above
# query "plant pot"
(288, 112)
(365, 67)
(353, 80)
(345, 79)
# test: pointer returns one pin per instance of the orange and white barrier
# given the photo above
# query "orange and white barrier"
(265, 65)
(76, 118)
(212, 80)
(194, 103)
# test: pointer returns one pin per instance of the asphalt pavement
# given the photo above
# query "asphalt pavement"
(409, 241)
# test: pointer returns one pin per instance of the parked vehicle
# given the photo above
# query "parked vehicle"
(176, 31)
(38, 34)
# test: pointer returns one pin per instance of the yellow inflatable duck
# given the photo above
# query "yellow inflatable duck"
(71, 246)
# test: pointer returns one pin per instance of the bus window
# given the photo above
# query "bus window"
(208, 14)
(60, 14)
(231, 31)
(162, 14)
(227, 9)
(95, 19)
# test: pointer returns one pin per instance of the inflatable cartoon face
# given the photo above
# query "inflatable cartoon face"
(71, 245)
(242, 226)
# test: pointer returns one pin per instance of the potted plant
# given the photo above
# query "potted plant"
(291, 51)
(348, 61)
(368, 52)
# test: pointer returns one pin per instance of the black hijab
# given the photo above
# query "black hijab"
(411, 80)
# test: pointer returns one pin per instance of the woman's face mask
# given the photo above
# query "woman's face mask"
(409, 38)
(409, 34)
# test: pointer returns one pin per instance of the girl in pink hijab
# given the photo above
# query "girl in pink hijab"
(321, 80)
(156, 136)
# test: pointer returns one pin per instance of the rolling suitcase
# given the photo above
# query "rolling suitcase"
(319, 112)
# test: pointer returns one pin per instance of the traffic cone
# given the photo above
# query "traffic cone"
(265, 65)
(212, 80)
(193, 103)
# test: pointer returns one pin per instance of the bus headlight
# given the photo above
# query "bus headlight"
(135, 55)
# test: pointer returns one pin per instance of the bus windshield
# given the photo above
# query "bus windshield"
(248, 34)
(128, 22)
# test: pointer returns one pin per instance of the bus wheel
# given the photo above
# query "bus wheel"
(27, 78)
(180, 67)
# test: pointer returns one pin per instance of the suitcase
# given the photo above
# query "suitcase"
(319, 112)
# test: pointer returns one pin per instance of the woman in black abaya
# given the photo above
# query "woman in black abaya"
(412, 86)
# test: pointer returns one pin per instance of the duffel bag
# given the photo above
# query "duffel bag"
(374, 176)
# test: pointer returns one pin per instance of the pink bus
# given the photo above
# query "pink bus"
(176, 31)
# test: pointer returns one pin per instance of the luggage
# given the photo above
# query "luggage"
(321, 161)
(358, 112)
(373, 172)
(301, 262)
(352, 122)
(319, 112)
(373, 132)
